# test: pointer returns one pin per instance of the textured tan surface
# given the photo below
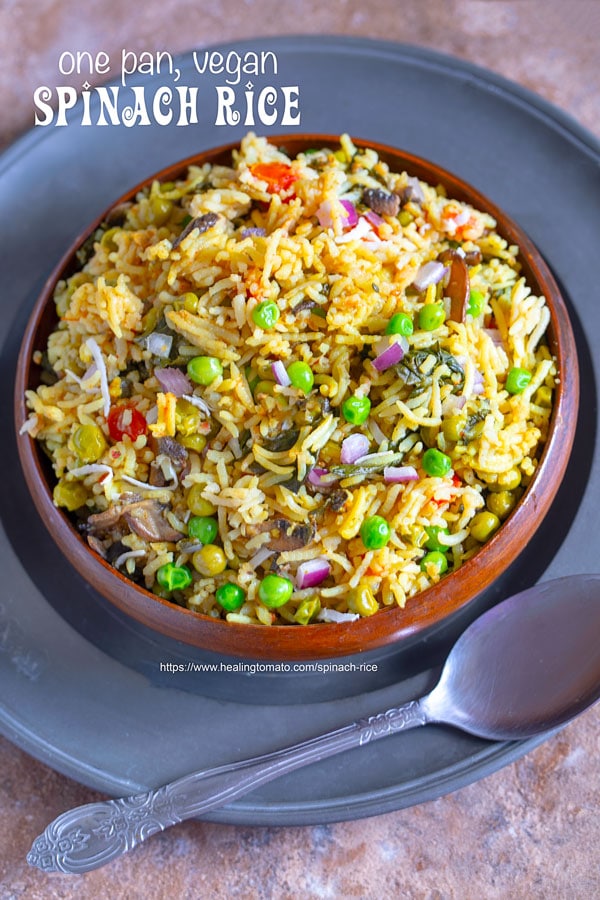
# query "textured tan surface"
(529, 831)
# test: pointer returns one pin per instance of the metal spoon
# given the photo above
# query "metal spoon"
(526, 666)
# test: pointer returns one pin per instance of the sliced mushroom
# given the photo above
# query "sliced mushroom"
(202, 223)
(413, 192)
(118, 214)
(115, 550)
(96, 545)
(173, 449)
(156, 476)
(473, 257)
(381, 202)
(337, 500)
(104, 521)
(304, 305)
(146, 519)
(285, 535)
(458, 288)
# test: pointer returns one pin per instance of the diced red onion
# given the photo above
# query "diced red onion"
(260, 557)
(361, 230)
(430, 273)
(280, 373)
(173, 381)
(253, 232)
(462, 218)
(353, 447)
(158, 344)
(494, 335)
(400, 474)
(320, 478)
(374, 219)
(349, 217)
(389, 357)
(351, 214)
(312, 572)
(453, 403)
(478, 382)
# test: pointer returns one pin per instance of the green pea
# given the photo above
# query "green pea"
(196, 502)
(432, 542)
(476, 303)
(190, 301)
(301, 376)
(161, 210)
(274, 590)
(266, 314)
(108, 239)
(89, 443)
(195, 442)
(362, 601)
(453, 427)
(436, 463)
(400, 324)
(509, 480)
(501, 503)
(307, 611)
(375, 532)
(435, 560)
(356, 409)
(70, 494)
(405, 218)
(204, 369)
(174, 578)
(431, 316)
(483, 525)
(230, 596)
(517, 380)
(543, 396)
(203, 529)
(429, 435)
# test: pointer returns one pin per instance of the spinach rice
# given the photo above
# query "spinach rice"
(293, 390)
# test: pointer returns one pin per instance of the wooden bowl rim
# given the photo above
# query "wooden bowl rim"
(423, 610)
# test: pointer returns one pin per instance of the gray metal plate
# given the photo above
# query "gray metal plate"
(80, 684)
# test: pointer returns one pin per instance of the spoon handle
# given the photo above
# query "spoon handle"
(89, 836)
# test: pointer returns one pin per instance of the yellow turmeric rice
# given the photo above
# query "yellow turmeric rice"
(293, 390)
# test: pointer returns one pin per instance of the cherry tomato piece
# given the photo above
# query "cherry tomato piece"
(278, 176)
(125, 419)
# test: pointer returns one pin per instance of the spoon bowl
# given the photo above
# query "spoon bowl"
(524, 667)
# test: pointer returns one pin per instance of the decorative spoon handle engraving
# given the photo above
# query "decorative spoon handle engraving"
(89, 836)
(480, 690)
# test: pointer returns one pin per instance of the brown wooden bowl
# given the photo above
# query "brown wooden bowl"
(293, 642)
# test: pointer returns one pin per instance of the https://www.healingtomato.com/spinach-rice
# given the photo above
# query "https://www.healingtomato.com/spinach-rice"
(293, 390)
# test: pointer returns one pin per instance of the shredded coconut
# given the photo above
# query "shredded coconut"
(130, 554)
(29, 425)
(91, 469)
(145, 486)
(199, 403)
(101, 365)
(332, 615)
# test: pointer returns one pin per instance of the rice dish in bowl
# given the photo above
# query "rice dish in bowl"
(294, 390)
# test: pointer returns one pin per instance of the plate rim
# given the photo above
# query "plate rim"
(497, 755)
